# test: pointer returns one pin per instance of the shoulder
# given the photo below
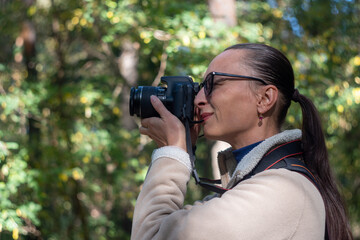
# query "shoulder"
(282, 197)
(281, 184)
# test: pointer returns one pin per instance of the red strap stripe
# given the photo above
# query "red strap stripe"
(281, 146)
(290, 155)
(296, 165)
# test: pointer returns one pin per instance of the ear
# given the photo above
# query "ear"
(268, 96)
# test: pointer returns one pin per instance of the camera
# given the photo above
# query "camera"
(178, 97)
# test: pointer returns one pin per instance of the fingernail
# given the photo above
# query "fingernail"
(153, 98)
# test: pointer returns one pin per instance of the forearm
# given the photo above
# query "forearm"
(163, 191)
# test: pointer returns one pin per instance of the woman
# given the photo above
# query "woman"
(247, 91)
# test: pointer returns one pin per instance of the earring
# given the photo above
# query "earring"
(261, 117)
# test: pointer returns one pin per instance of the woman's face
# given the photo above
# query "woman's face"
(230, 113)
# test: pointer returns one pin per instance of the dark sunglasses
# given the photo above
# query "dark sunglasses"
(208, 83)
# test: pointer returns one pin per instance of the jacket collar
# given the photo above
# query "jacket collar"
(232, 172)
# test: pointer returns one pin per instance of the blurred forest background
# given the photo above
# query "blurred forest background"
(71, 158)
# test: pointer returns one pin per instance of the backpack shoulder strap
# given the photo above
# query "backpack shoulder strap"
(274, 158)
(298, 165)
(287, 156)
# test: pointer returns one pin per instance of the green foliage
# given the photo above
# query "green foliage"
(71, 161)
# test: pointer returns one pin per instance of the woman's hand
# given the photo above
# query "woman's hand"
(167, 130)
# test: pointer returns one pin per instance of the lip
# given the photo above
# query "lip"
(206, 116)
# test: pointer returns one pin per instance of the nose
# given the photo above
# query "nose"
(200, 99)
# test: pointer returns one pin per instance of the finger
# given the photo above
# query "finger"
(150, 126)
(145, 122)
(159, 107)
(152, 123)
(158, 140)
(144, 131)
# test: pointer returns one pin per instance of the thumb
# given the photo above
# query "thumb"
(159, 106)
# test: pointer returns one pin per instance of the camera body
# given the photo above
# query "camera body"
(178, 97)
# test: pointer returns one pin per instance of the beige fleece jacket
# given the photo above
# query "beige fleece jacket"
(274, 204)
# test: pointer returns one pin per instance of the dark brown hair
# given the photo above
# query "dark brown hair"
(273, 67)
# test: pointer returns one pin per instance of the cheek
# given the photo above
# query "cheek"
(237, 106)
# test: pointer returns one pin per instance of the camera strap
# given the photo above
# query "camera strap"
(203, 182)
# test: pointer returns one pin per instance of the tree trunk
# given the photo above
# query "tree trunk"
(127, 64)
(28, 36)
(223, 11)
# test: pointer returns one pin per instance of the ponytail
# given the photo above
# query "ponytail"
(316, 159)
(273, 66)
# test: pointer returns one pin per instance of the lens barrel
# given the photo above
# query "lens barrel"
(132, 102)
(140, 104)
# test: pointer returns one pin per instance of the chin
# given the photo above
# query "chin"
(211, 136)
(218, 135)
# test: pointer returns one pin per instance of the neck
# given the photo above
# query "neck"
(255, 135)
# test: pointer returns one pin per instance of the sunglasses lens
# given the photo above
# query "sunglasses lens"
(208, 84)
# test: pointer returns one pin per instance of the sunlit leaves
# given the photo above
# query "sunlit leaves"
(87, 159)
(15, 177)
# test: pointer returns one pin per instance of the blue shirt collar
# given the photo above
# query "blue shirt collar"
(240, 153)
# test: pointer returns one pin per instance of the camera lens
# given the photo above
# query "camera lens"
(132, 103)
(140, 104)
